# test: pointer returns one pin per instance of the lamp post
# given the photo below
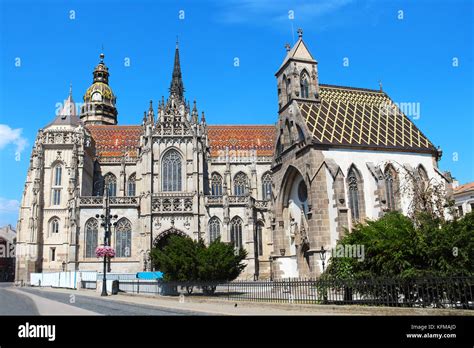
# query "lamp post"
(64, 266)
(106, 223)
(322, 255)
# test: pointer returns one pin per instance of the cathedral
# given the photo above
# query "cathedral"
(336, 156)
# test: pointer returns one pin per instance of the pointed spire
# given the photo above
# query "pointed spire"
(203, 118)
(177, 87)
(70, 90)
(194, 113)
(380, 86)
(151, 113)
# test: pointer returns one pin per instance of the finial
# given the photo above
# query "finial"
(70, 89)
(177, 42)
(287, 47)
(300, 33)
(102, 56)
(151, 104)
(380, 86)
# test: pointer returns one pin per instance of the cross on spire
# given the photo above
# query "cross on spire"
(300, 33)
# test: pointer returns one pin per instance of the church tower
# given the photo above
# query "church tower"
(297, 77)
(99, 100)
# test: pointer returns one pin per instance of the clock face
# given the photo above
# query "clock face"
(96, 96)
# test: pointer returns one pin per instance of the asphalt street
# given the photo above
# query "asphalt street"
(13, 303)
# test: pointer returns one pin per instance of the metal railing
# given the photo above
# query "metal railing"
(455, 292)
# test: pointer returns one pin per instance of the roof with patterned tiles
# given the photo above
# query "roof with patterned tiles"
(113, 141)
(242, 138)
(360, 117)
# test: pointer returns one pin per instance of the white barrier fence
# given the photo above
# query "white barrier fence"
(69, 280)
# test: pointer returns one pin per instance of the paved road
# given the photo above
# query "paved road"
(12, 303)
(105, 307)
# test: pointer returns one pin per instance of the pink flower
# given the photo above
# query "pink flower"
(105, 251)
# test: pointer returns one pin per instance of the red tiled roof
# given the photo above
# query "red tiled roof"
(242, 137)
(464, 188)
(114, 141)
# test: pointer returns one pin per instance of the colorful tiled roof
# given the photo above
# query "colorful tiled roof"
(361, 118)
(464, 188)
(241, 138)
(112, 141)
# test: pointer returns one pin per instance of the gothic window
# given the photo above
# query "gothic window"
(259, 240)
(214, 229)
(123, 238)
(391, 187)
(56, 196)
(353, 185)
(304, 85)
(236, 232)
(267, 186)
(288, 89)
(92, 231)
(53, 254)
(216, 184)
(57, 179)
(171, 172)
(111, 184)
(54, 225)
(302, 191)
(57, 175)
(131, 186)
(423, 176)
(240, 184)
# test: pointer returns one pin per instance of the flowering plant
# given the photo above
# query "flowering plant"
(104, 251)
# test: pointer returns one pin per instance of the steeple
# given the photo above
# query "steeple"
(99, 100)
(177, 87)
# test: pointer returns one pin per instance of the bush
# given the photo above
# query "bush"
(183, 259)
(396, 247)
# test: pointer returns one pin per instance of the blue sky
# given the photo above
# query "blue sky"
(412, 52)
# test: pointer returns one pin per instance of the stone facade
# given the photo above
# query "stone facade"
(337, 156)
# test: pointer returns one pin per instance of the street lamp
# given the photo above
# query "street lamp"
(106, 223)
(322, 255)
(64, 266)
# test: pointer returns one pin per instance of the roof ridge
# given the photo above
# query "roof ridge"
(350, 87)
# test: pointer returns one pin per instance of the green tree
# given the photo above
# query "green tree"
(395, 246)
(183, 259)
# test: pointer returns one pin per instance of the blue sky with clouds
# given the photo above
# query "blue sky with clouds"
(422, 51)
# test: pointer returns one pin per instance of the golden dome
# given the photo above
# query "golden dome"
(104, 90)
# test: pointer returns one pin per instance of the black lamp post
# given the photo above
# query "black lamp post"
(106, 223)
(322, 255)
(64, 266)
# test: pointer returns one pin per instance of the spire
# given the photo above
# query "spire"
(177, 87)
(195, 114)
(151, 113)
(101, 72)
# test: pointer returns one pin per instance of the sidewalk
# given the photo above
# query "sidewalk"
(225, 307)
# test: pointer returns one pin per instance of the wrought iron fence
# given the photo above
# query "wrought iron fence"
(455, 292)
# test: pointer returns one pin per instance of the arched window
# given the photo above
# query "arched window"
(216, 184)
(391, 187)
(58, 170)
(423, 175)
(259, 238)
(353, 186)
(240, 184)
(57, 180)
(54, 225)
(267, 186)
(111, 184)
(171, 171)
(131, 185)
(236, 232)
(288, 91)
(214, 229)
(304, 85)
(123, 238)
(92, 230)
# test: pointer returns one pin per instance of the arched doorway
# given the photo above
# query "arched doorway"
(163, 238)
(294, 200)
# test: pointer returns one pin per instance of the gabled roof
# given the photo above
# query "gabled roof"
(242, 138)
(299, 52)
(359, 117)
(113, 141)
(464, 188)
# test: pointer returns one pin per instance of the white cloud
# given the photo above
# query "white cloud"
(9, 205)
(12, 136)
